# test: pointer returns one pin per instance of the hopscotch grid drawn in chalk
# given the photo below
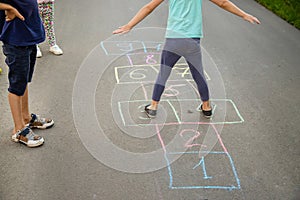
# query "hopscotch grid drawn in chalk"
(149, 49)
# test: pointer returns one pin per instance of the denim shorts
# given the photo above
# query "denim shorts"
(21, 61)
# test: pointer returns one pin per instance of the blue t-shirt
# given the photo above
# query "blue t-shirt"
(185, 19)
(23, 33)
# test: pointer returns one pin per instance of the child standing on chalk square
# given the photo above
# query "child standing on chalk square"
(46, 9)
(183, 34)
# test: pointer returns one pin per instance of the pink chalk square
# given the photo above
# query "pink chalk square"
(190, 138)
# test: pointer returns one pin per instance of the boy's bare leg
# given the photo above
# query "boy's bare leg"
(25, 107)
(15, 103)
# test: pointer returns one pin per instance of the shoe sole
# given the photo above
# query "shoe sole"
(207, 117)
(39, 143)
(57, 54)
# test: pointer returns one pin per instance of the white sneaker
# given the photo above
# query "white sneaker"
(27, 137)
(39, 122)
(56, 50)
(38, 52)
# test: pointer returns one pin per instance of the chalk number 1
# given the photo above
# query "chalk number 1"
(202, 163)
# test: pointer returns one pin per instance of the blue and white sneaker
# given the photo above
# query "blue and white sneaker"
(39, 122)
(27, 137)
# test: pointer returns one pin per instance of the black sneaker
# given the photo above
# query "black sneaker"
(206, 113)
(150, 113)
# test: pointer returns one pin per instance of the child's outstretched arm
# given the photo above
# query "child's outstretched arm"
(231, 7)
(10, 12)
(141, 14)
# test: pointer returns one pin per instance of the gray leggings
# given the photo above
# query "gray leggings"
(173, 50)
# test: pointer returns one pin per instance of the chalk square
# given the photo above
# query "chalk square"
(190, 137)
(179, 111)
(141, 72)
(136, 74)
(216, 170)
(139, 57)
(132, 113)
(120, 47)
(153, 47)
(149, 56)
(224, 111)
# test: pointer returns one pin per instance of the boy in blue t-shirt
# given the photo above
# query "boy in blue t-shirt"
(21, 31)
(183, 34)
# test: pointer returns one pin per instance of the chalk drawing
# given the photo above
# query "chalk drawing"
(239, 118)
(127, 47)
(186, 71)
(134, 74)
(189, 143)
(150, 59)
(201, 163)
(150, 46)
(144, 91)
(140, 73)
(178, 67)
(173, 91)
(121, 47)
(130, 61)
(231, 186)
(120, 79)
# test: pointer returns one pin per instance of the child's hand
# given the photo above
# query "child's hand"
(12, 14)
(122, 29)
(251, 19)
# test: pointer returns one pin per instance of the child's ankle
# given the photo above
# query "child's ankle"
(154, 105)
(16, 129)
(27, 119)
(206, 105)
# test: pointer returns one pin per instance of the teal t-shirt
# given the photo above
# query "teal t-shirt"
(185, 19)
